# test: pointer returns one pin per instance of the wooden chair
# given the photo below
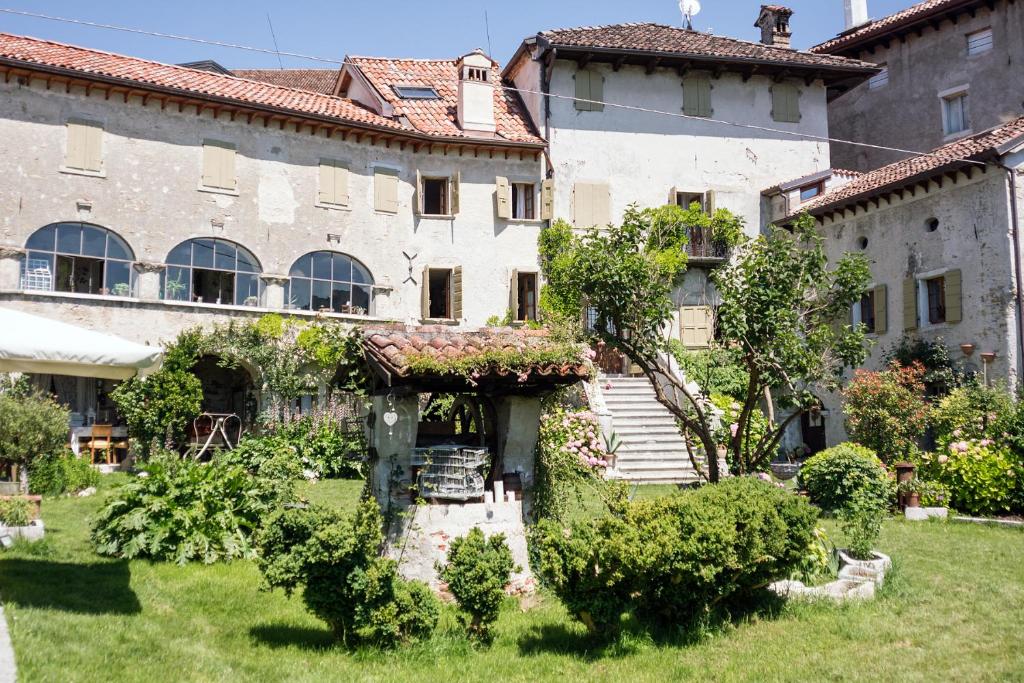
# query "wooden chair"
(102, 439)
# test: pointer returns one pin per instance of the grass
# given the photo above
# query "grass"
(952, 610)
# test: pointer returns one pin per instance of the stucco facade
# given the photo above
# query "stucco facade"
(149, 194)
(926, 62)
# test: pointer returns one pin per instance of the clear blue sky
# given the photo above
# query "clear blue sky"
(392, 28)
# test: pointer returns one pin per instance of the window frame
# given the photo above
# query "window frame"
(449, 313)
(101, 171)
(531, 309)
(214, 143)
(402, 92)
(703, 199)
(978, 43)
(312, 278)
(866, 303)
(59, 251)
(819, 188)
(946, 99)
(446, 196)
(189, 287)
(524, 193)
(881, 79)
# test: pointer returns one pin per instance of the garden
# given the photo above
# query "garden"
(276, 557)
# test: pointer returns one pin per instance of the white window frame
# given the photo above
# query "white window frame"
(948, 96)
(879, 80)
(980, 42)
(922, 298)
(855, 312)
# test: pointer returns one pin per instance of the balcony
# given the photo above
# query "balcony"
(703, 249)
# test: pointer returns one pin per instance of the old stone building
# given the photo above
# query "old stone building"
(141, 199)
(949, 68)
(941, 234)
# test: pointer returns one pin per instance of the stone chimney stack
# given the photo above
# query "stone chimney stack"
(774, 24)
(476, 94)
(856, 13)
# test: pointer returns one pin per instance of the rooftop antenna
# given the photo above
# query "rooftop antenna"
(690, 9)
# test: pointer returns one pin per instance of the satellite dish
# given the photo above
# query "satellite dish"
(690, 9)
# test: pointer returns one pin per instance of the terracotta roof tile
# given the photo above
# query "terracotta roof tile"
(885, 25)
(867, 184)
(438, 116)
(649, 37)
(313, 80)
(394, 347)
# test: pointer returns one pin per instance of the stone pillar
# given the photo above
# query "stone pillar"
(147, 281)
(273, 292)
(394, 444)
(10, 267)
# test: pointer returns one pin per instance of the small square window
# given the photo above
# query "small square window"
(879, 80)
(440, 288)
(415, 92)
(809, 192)
(936, 292)
(688, 199)
(526, 297)
(979, 41)
(435, 196)
(955, 114)
(523, 201)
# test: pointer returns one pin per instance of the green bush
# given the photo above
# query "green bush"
(983, 478)
(15, 512)
(345, 582)
(833, 476)
(972, 411)
(477, 572)
(54, 475)
(861, 520)
(32, 426)
(886, 411)
(326, 447)
(184, 511)
(670, 560)
(717, 371)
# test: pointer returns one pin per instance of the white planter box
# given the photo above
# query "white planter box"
(921, 514)
(32, 532)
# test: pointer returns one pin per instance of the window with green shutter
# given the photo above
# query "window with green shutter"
(589, 91)
(697, 96)
(786, 103)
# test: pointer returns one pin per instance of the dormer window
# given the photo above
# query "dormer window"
(415, 92)
(477, 74)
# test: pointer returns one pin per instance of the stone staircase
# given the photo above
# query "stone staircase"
(652, 450)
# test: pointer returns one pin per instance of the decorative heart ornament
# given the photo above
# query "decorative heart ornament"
(390, 418)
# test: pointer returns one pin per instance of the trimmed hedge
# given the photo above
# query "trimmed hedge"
(834, 476)
(672, 559)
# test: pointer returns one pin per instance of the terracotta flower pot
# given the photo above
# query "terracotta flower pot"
(914, 500)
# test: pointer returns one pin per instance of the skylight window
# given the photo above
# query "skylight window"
(415, 92)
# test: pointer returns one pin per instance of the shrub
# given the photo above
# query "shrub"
(54, 475)
(861, 520)
(15, 512)
(972, 411)
(336, 562)
(833, 476)
(982, 477)
(570, 456)
(477, 572)
(672, 559)
(184, 511)
(32, 426)
(886, 411)
(716, 370)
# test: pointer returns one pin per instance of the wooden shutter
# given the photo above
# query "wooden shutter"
(219, 165)
(85, 146)
(385, 190)
(547, 200)
(425, 294)
(881, 309)
(710, 202)
(596, 91)
(582, 90)
(457, 293)
(333, 183)
(954, 296)
(695, 326)
(697, 96)
(600, 201)
(76, 152)
(910, 304)
(417, 198)
(456, 186)
(513, 299)
(673, 196)
(786, 103)
(503, 196)
(581, 216)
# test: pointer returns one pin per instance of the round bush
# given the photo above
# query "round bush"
(982, 479)
(477, 572)
(54, 475)
(833, 476)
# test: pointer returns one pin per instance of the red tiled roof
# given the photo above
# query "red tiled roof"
(439, 117)
(313, 80)
(868, 184)
(395, 347)
(659, 38)
(886, 25)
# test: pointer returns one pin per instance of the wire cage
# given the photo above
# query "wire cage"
(450, 472)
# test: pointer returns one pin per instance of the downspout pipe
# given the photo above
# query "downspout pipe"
(1015, 233)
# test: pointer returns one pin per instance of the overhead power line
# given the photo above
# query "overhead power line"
(628, 107)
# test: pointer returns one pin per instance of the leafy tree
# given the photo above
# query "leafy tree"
(32, 426)
(779, 305)
(886, 411)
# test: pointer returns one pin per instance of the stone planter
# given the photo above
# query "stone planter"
(921, 514)
(785, 470)
(32, 532)
(10, 488)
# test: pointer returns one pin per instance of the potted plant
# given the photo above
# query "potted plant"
(861, 521)
(175, 289)
(121, 289)
(935, 499)
(911, 490)
(16, 519)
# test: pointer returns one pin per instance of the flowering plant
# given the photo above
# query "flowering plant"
(886, 411)
(981, 477)
(570, 453)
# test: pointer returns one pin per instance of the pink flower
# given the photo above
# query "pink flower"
(592, 461)
(734, 428)
(943, 459)
(591, 354)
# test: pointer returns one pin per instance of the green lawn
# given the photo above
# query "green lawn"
(953, 610)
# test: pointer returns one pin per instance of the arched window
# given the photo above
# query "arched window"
(329, 281)
(77, 257)
(213, 271)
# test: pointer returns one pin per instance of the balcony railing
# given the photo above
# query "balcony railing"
(702, 247)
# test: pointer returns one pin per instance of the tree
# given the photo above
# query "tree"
(32, 426)
(780, 304)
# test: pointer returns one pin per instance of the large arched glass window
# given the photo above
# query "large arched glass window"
(77, 257)
(329, 281)
(213, 271)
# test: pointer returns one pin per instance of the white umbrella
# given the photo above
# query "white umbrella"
(29, 343)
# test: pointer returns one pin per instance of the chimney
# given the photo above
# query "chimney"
(476, 94)
(856, 13)
(774, 24)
